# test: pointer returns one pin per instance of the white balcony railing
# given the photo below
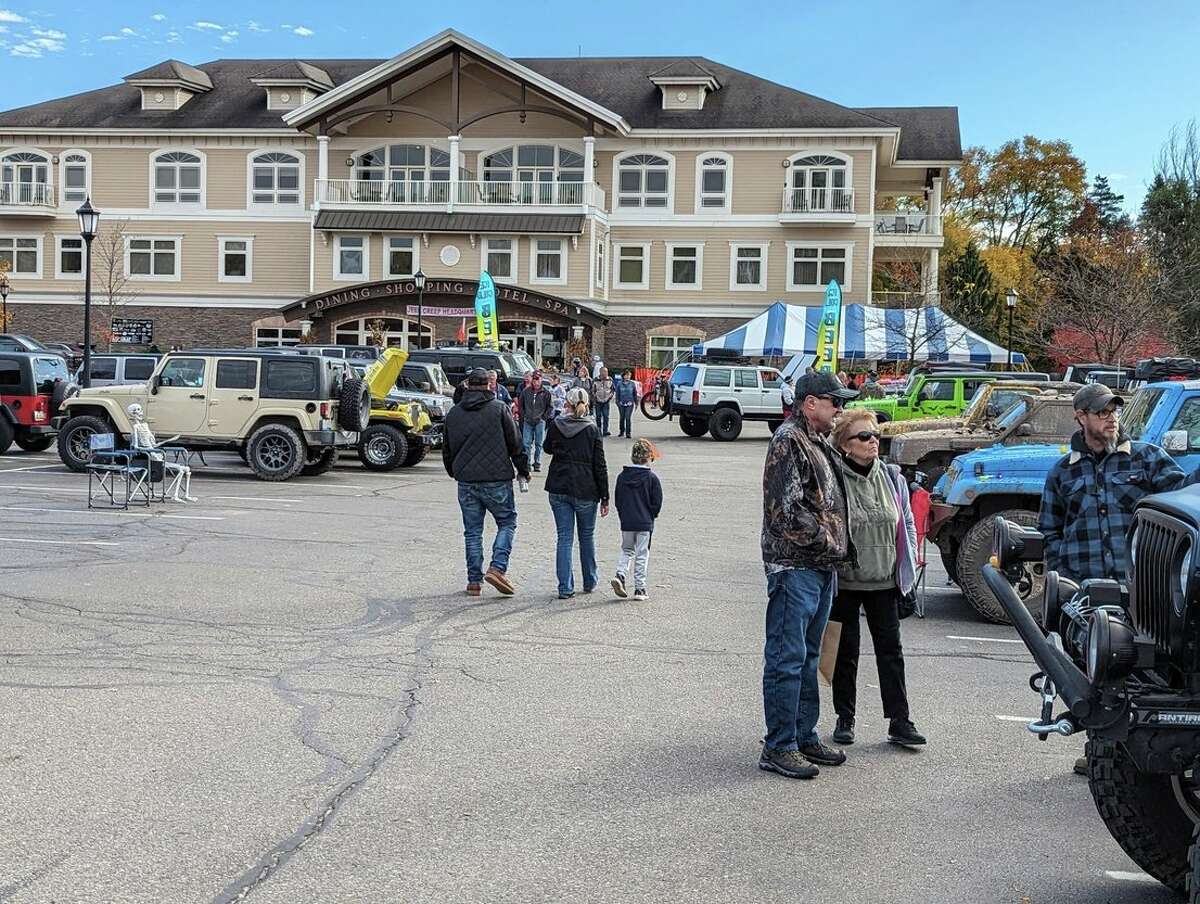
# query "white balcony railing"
(818, 200)
(26, 194)
(463, 193)
(910, 222)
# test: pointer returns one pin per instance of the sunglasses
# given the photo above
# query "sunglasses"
(837, 403)
(865, 436)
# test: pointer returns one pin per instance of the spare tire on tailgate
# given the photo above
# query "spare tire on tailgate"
(354, 406)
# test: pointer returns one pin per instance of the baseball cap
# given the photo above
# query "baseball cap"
(478, 377)
(1095, 397)
(822, 384)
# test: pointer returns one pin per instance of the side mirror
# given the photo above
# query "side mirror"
(1025, 430)
(1175, 441)
(922, 398)
(155, 382)
(901, 403)
(425, 386)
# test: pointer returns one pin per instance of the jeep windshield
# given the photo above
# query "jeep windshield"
(518, 363)
(1136, 414)
(684, 375)
(1013, 414)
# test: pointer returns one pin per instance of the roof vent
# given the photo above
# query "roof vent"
(684, 84)
(169, 85)
(292, 83)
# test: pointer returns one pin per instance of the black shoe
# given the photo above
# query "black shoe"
(787, 763)
(537, 467)
(1081, 766)
(904, 733)
(844, 733)
(823, 756)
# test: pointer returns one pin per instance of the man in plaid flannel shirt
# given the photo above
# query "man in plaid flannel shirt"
(1087, 505)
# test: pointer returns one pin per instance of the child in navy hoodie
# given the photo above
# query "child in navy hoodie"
(638, 496)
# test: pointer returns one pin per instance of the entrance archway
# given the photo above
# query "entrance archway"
(397, 331)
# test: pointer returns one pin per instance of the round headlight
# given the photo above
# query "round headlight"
(1095, 656)
(1133, 546)
(1185, 571)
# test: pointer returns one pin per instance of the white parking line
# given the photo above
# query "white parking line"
(119, 512)
(984, 639)
(1015, 718)
(1123, 876)
(29, 486)
(255, 498)
(30, 468)
(59, 542)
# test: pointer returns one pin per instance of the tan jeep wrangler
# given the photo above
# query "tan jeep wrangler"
(283, 413)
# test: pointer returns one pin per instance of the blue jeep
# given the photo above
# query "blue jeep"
(1008, 481)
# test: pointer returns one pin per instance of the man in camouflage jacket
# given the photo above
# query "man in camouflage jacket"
(804, 539)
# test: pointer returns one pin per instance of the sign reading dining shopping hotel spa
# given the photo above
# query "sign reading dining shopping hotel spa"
(406, 288)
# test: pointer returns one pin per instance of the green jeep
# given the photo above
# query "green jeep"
(936, 394)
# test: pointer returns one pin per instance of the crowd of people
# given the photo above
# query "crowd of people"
(490, 441)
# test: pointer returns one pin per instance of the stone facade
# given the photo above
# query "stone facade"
(173, 325)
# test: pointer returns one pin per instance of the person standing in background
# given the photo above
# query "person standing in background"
(603, 391)
(627, 397)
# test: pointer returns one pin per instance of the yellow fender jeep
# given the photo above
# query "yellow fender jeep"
(398, 434)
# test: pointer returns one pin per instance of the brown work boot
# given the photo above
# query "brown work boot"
(474, 590)
(499, 581)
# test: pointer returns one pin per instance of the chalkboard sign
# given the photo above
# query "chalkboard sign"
(132, 332)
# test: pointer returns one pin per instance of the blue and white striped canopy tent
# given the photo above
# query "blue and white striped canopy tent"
(868, 334)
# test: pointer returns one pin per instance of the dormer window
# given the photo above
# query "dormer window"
(292, 83)
(685, 84)
(169, 85)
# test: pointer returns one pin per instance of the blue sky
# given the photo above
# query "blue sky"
(1112, 78)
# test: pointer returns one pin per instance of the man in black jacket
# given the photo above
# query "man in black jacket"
(480, 450)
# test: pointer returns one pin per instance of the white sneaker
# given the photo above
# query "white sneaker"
(618, 586)
(639, 595)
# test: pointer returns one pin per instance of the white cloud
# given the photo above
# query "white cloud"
(229, 37)
(173, 37)
(1117, 177)
(159, 17)
(3, 29)
(302, 31)
(111, 38)
(46, 44)
(24, 50)
(210, 26)
(254, 26)
(49, 33)
(129, 32)
(7, 15)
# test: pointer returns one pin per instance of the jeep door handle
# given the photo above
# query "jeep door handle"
(196, 395)
(245, 398)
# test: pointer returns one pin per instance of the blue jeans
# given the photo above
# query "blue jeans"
(533, 435)
(601, 411)
(569, 511)
(475, 500)
(798, 605)
(626, 412)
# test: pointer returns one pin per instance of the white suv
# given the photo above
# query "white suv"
(716, 398)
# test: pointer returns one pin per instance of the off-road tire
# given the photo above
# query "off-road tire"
(725, 425)
(354, 406)
(276, 452)
(62, 392)
(74, 437)
(693, 426)
(382, 447)
(35, 443)
(6, 435)
(973, 554)
(417, 451)
(322, 464)
(774, 425)
(1142, 813)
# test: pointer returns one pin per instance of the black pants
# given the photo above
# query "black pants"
(883, 618)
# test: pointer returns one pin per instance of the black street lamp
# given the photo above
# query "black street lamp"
(89, 225)
(5, 285)
(419, 279)
(1010, 299)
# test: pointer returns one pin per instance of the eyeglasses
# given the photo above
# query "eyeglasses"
(837, 402)
(1109, 414)
(865, 436)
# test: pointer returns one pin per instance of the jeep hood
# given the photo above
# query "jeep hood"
(381, 376)
(1004, 469)
(115, 393)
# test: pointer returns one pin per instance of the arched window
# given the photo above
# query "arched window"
(643, 180)
(538, 174)
(275, 178)
(25, 178)
(713, 182)
(820, 183)
(399, 332)
(76, 180)
(406, 173)
(178, 178)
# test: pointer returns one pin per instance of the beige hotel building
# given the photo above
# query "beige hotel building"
(636, 204)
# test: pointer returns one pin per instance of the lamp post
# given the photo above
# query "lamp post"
(4, 288)
(1010, 299)
(89, 224)
(419, 279)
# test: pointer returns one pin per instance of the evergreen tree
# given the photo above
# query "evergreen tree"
(969, 293)
(1110, 217)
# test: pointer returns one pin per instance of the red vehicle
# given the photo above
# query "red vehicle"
(32, 387)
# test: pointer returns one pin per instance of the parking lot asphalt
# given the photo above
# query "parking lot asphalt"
(281, 694)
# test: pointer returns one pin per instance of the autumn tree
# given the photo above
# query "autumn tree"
(111, 281)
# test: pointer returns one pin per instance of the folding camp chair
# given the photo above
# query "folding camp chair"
(921, 514)
(120, 476)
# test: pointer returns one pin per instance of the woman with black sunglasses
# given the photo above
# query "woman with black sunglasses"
(883, 531)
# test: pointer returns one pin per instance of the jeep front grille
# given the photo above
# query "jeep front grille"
(1155, 566)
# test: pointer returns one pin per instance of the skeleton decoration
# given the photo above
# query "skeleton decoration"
(142, 438)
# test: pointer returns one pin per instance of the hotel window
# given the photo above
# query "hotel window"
(235, 259)
(500, 258)
(178, 178)
(643, 180)
(747, 267)
(70, 257)
(152, 257)
(350, 257)
(549, 263)
(633, 267)
(600, 264)
(712, 183)
(820, 182)
(274, 337)
(402, 259)
(666, 350)
(535, 173)
(275, 178)
(814, 267)
(404, 173)
(76, 180)
(23, 255)
(24, 177)
(685, 266)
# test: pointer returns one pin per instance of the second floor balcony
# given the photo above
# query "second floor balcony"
(908, 228)
(817, 205)
(27, 198)
(574, 197)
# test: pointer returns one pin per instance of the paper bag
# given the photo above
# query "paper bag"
(829, 651)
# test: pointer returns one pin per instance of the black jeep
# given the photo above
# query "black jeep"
(1125, 659)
